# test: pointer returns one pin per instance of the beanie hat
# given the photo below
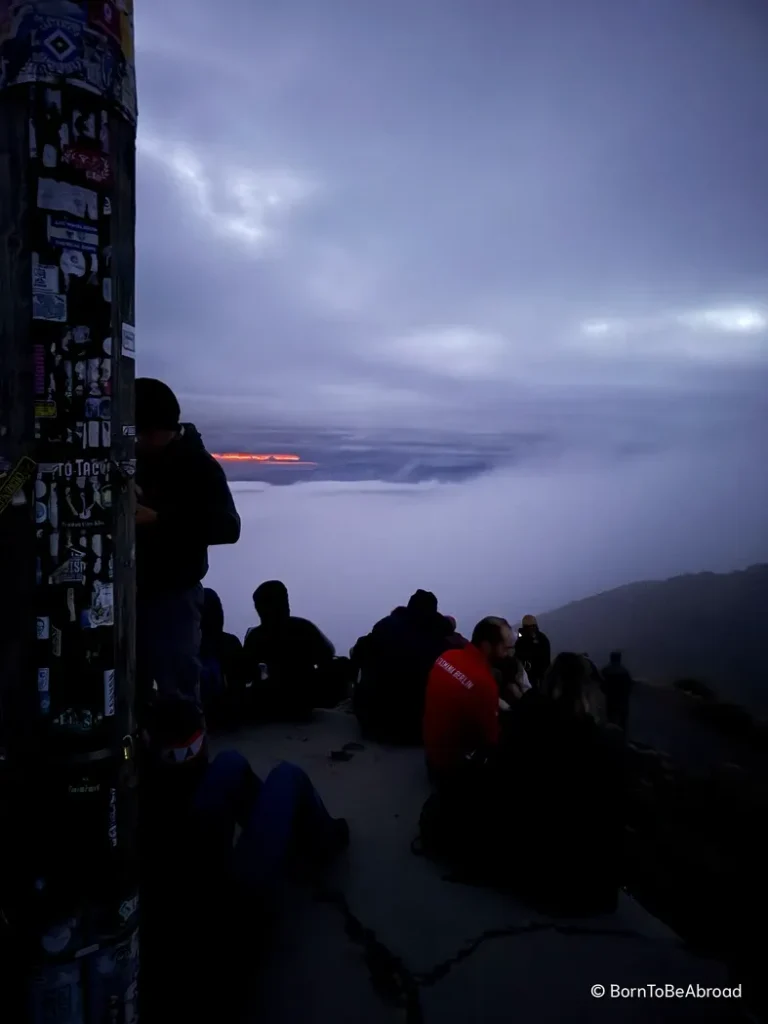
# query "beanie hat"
(157, 408)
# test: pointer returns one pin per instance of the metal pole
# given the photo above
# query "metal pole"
(68, 867)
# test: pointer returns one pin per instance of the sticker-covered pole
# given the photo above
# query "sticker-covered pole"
(68, 865)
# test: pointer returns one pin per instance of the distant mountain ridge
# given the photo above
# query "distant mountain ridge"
(707, 626)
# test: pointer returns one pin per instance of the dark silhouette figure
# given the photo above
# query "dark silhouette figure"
(184, 505)
(533, 650)
(288, 661)
(392, 664)
(221, 658)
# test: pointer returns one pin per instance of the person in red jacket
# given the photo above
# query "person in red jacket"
(461, 713)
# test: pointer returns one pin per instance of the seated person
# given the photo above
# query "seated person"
(287, 660)
(201, 890)
(221, 658)
(461, 711)
(550, 790)
(392, 664)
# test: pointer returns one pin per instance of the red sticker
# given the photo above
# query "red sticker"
(104, 15)
(95, 165)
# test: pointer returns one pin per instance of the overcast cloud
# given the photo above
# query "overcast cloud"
(420, 210)
(466, 216)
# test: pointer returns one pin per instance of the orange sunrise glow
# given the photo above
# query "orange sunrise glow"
(268, 459)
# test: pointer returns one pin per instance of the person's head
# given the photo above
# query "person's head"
(571, 684)
(176, 737)
(157, 414)
(422, 604)
(270, 599)
(615, 657)
(493, 636)
(529, 626)
(213, 614)
(451, 623)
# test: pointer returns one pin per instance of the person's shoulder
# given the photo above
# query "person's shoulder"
(298, 622)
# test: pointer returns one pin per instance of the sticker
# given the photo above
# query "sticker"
(56, 642)
(32, 139)
(71, 571)
(16, 479)
(41, 512)
(45, 410)
(46, 306)
(65, 198)
(43, 627)
(43, 680)
(76, 468)
(109, 693)
(129, 430)
(40, 489)
(106, 346)
(106, 289)
(45, 278)
(45, 703)
(84, 125)
(129, 341)
(106, 434)
(129, 907)
(128, 468)
(102, 606)
(95, 165)
(112, 832)
(39, 362)
(94, 434)
(71, 606)
(107, 207)
(50, 156)
(67, 234)
(73, 262)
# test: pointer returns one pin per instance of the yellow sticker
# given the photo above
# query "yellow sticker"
(12, 484)
(45, 410)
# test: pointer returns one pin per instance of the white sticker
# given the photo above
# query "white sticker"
(46, 306)
(129, 430)
(45, 278)
(50, 155)
(43, 627)
(73, 262)
(43, 680)
(67, 234)
(102, 608)
(59, 195)
(56, 643)
(106, 289)
(109, 692)
(94, 434)
(129, 341)
(107, 206)
(107, 346)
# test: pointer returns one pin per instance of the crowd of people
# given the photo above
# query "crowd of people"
(525, 753)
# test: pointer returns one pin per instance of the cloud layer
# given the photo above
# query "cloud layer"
(419, 214)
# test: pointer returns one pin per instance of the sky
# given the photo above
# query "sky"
(471, 216)
(418, 212)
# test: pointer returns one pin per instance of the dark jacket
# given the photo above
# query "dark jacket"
(535, 654)
(224, 647)
(189, 491)
(297, 657)
(394, 661)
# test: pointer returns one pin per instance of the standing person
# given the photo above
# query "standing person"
(533, 650)
(617, 687)
(287, 660)
(183, 505)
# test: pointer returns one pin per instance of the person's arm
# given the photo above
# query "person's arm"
(204, 513)
(318, 643)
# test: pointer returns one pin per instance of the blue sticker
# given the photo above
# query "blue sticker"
(71, 234)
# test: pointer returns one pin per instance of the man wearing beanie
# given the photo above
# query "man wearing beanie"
(183, 505)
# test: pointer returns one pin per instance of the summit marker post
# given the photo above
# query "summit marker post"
(68, 866)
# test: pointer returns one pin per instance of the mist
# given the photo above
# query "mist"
(508, 543)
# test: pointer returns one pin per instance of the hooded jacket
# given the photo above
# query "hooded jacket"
(187, 488)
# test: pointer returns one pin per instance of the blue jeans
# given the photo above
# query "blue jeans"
(281, 817)
(168, 641)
